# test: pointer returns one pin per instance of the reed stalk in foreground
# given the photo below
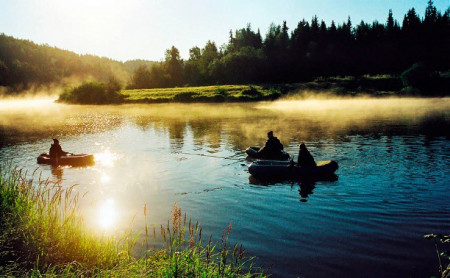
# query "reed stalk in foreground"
(443, 255)
(43, 234)
(42, 231)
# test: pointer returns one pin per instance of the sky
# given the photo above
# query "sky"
(144, 29)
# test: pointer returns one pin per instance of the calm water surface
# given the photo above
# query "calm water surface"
(392, 187)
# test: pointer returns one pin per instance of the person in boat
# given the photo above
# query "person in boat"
(305, 159)
(273, 145)
(56, 149)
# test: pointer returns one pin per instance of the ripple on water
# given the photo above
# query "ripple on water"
(392, 185)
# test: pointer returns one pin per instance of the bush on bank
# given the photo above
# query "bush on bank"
(93, 93)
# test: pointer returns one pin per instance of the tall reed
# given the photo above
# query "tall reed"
(43, 234)
(443, 255)
(187, 256)
(41, 229)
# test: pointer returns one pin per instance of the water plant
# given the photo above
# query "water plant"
(42, 233)
(185, 255)
(443, 255)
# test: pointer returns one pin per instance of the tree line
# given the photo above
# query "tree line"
(25, 64)
(313, 49)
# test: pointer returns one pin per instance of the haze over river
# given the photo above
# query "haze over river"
(392, 188)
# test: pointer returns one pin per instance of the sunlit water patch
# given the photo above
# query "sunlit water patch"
(107, 214)
(392, 185)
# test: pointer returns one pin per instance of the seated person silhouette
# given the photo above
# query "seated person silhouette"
(56, 150)
(305, 159)
(273, 146)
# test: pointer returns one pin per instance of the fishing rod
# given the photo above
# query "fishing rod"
(208, 155)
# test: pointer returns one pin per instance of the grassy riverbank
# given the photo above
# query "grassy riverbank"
(224, 93)
(350, 86)
(338, 86)
(42, 233)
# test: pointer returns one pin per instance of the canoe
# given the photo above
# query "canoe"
(289, 170)
(72, 160)
(252, 152)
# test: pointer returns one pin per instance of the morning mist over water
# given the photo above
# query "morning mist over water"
(224, 138)
(393, 156)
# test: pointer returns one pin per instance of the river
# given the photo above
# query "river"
(392, 186)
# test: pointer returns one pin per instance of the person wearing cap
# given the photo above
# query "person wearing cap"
(273, 145)
(56, 150)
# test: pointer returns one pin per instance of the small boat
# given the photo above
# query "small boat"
(72, 160)
(289, 170)
(252, 152)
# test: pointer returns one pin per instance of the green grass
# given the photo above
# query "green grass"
(225, 93)
(367, 85)
(43, 234)
(380, 85)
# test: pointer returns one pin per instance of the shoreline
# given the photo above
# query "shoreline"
(335, 87)
(376, 86)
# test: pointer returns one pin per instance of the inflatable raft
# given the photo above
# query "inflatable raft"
(72, 160)
(252, 152)
(289, 170)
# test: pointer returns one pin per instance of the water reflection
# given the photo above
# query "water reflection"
(106, 158)
(105, 178)
(305, 185)
(306, 189)
(393, 155)
(57, 172)
(246, 125)
(107, 214)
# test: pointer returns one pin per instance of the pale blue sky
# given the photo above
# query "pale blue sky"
(138, 29)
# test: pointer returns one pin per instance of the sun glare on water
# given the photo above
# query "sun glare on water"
(106, 158)
(105, 178)
(107, 214)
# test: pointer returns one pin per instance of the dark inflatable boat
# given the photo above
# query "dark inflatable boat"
(72, 160)
(252, 152)
(289, 170)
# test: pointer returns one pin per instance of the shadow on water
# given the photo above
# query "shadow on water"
(57, 172)
(306, 185)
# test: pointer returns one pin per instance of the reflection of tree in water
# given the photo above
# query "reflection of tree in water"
(177, 132)
(242, 125)
(207, 132)
(253, 131)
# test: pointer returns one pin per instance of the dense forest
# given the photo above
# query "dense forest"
(311, 50)
(417, 47)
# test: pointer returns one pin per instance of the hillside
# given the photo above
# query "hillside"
(25, 65)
